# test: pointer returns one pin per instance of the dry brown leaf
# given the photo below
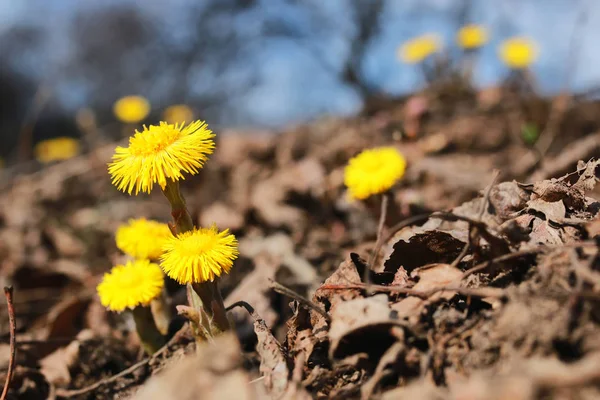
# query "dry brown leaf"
(268, 196)
(361, 314)
(554, 211)
(345, 274)
(433, 277)
(273, 363)
(213, 373)
(56, 365)
(224, 216)
(280, 248)
(65, 243)
(423, 248)
(507, 198)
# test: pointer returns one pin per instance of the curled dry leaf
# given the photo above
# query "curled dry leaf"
(423, 248)
(352, 319)
(507, 198)
(268, 196)
(273, 363)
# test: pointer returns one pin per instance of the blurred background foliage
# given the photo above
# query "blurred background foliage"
(258, 63)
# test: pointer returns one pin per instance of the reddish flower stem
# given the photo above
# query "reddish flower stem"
(8, 292)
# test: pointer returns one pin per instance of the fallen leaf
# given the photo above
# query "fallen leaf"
(57, 364)
(213, 373)
(433, 277)
(355, 317)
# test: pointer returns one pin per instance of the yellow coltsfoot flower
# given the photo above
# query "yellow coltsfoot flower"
(374, 171)
(472, 36)
(131, 109)
(518, 52)
(142, 239)
(199, 255)
(57, 149)
(134, 284)
(418, 49)
(160, 153)
(178, 113)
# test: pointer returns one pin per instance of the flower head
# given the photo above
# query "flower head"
(131, 109)
(142, 239)
(158, 153)
(418, 49)
(518, 52)
(178, 113)
(374, 171)
(472, 36)
(133, 284)
(199, 255)
(60, 148)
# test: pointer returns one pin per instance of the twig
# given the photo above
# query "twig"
(407, 222)
(521, 253)
(379, 240)
(279, 288)
(8, 292)
(422, 294)
(90, 388)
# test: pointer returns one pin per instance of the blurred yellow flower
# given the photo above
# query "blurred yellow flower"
(518, 52)
(57, 149)
(160, 153)
(134, 284)
(199, 255)
(418, 49)
(472, 36)
(374, 171)
(178, 113)
(131, 109)
(142, 239)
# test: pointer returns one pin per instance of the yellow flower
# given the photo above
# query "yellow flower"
(374, 171)
(518, 52)
(133, 284)
(472, 36)
(199, 255)
(158, 153)
(416, 50)
(178, 113)
(60, 148)
(131, 109)
(142, 239)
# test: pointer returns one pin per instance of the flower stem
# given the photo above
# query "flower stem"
(181, 216)
(150, 337)
(210, 295)
(208, 292)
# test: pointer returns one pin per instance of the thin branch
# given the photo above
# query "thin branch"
(521, 253)
(379, 240)
(407, 222)
(279, 288)
(422, 294)
(8, 292)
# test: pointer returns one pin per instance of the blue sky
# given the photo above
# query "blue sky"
(294, 80)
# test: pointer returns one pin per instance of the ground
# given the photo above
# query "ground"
(485, 284)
